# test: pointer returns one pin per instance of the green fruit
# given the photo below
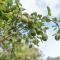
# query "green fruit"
(39, 32)
(30, 26)
(31, 23)
(44, 37)
(24, 19)
(57, 36)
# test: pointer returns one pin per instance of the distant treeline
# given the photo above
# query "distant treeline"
(51, 58)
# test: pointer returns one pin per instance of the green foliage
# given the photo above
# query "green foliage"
(14, 23)
(46, 19)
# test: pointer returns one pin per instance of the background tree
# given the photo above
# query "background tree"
(51, 58)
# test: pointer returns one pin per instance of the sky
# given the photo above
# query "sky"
(50, 47)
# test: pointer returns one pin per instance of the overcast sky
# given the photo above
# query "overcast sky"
(51, 47)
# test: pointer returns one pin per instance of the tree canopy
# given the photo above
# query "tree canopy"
(18, 27)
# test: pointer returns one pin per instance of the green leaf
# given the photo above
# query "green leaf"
(36, 42)
(1, 23)
(39, 16)
(54, 19)
(34, 13)
(49, 11)
(45, 19)
(39, 32)
(45, 28)
(57, 37)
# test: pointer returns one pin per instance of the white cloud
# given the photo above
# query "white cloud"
(30, 6)
(40, 6)
(53, 4)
